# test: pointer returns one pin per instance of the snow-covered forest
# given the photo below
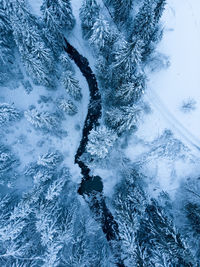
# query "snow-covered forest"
(99, 133)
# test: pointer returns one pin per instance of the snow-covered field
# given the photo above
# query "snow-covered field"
(168, 92)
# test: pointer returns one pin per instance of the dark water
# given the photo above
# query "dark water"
(91, 187)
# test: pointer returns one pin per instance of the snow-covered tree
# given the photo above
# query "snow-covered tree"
(145, 26)
(50, 159)
(67, 106)
(36, 228)
(160, 7)
(6, 46)
(149, 237)
(55, 189)
(89, 12)
(129, 203)
(123, 119)
(103, 73)
(8, 113)
(101, 140)
(43, 120)
(66, 62)
(188, 105)
(49, 226)
(71, 85)
(188, 213)
(144, 21)
(8, 163)
(122, 10)
(128, 57)
(38, 173)
(162, 239)
(101, 34)
(36, 55)
(166, 145)
(131, 92)
(58, 15)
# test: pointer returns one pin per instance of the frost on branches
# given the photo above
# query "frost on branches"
(35, 54)
(132, 91)
(101, 34)
(8, 113)
(67, 106)
(71, 85)
(88, 13)
(8, 163)
(123, 119)
(100, 142)
(6, 47)
(58, 15)
(42, 120)
(128, 56)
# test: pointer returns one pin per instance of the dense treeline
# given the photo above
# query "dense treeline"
(49, 224)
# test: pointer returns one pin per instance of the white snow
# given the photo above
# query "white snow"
(167, 89)
(181, 81)
(75, 37)
(35, 6)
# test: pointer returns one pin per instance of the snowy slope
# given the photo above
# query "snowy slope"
(167, 90)
(181, 81)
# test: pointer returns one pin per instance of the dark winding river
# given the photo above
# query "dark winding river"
(91, 187)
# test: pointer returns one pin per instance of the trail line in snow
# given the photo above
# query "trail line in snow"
(177, 127)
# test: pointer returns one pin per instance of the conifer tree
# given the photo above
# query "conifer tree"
(100, 142)
(6, 46)
(123, 119)
(48, 226)
(43, 120)
(8, 161)
(89, 12)
(162, 238)
(131, 92)
(66, 62)
(8, 113)
(28, 36)
(50, 159)
(146, 22)
(67, 106)
(130, 204)
(58, 15)
(160, 7)
(188, 213)
(128, 57)
(58, 18)
(122, 10)
(71, 85)
(101, 34)
(149, 237)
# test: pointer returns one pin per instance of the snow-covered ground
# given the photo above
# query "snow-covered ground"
(167, 90)
(35, 6)
(29, 143)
